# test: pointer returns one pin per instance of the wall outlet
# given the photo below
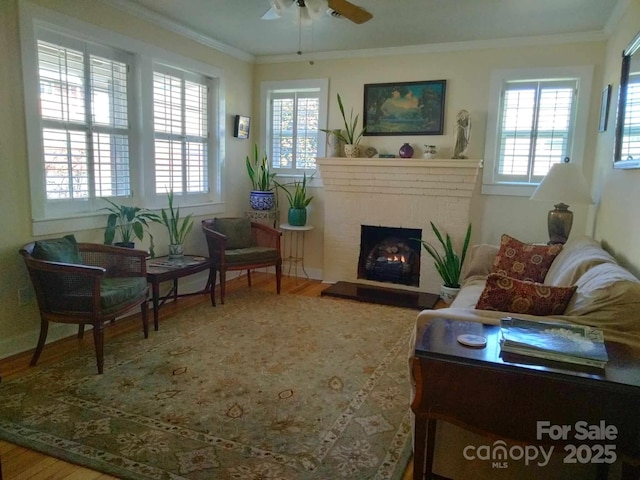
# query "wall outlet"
(25, 296)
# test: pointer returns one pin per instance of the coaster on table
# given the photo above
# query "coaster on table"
(469, 340)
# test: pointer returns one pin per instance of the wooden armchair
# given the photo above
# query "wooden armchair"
(85, 283)
(240, 244)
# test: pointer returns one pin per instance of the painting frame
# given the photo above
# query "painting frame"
(604, 108)
(404, 108)
(241, 126)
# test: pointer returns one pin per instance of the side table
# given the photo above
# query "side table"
(162, 269)
(478, 389)
(294, 247)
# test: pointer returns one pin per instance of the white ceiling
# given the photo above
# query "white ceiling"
(395, 23)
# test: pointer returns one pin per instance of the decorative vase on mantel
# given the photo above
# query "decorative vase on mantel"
(406, 151)
(335, 144)
(297, 217)
(352, 151)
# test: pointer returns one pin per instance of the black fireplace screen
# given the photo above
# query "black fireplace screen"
(390, 254)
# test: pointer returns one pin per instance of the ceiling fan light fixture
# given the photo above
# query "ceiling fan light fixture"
(279, 6)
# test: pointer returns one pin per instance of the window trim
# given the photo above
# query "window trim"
(266, 87)
(583, 75)
(32, 18)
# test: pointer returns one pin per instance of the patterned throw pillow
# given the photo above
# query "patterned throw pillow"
(524, 261)
(506, 294)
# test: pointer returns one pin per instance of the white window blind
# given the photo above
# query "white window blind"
(631, 133)
(84, 120)
(535, 129)
(181, 131)
(294, 122)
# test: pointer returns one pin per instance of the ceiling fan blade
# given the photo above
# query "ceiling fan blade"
(270, 14)
(349, 10)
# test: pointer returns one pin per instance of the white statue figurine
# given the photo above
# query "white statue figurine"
(462, 134)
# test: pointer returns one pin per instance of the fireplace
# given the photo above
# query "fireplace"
(390, 254)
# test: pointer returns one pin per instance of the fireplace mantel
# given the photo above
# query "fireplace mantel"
(399, 162)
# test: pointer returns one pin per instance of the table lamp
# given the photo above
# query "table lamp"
(563, 183)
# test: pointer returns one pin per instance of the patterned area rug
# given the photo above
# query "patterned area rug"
(263, 387)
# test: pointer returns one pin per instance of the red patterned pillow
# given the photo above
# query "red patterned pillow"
(524, 261)
(506, 294)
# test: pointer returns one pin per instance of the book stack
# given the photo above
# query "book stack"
(559, 342)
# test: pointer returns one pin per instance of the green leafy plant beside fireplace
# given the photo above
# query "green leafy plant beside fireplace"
(298, 199)
(449, 263)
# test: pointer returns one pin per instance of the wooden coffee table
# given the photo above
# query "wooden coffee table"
(506, 397)
(162, 269)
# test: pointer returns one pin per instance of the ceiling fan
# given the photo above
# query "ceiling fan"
(312, 9)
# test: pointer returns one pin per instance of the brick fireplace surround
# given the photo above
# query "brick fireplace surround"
(392, 192)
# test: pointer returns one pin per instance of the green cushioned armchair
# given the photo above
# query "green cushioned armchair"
(240, 244)
(85, 283)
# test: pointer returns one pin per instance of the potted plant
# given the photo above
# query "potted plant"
(350, 138)
(178, 228)
(298, 201)
(262, 196)
(130, 222)
(449, 264)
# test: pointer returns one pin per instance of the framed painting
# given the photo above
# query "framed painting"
(405, 108)
(241, 126)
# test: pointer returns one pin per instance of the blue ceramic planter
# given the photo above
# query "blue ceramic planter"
(262, 200)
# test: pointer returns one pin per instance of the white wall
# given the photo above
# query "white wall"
(617, 222)
(467, 72)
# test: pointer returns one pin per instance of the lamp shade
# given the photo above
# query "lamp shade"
(564, 183)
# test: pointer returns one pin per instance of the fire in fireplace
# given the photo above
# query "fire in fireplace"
(390, 254)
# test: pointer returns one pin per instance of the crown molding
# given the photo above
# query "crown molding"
(594, 36)
(178, 28)
(616, 15)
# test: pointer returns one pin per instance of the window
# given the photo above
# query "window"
(84, 120)
(181, 131)
(109, 116)
(293, 113)
(631, 133)
(534, 124)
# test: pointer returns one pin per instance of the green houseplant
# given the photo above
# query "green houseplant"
(178, 228)
(130, 222)
(449, 263)
(262, 197)
(298, 200)
(350, 136)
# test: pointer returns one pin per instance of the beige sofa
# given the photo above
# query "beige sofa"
(607, 296)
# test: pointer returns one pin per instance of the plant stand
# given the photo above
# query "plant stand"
(294, 247)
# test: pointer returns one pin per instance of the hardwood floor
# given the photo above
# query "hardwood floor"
(23, 464)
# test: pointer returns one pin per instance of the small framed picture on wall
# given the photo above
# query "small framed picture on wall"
(241, 126)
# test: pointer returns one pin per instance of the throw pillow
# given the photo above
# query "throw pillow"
(506, 294)
(63, 250)
(237, 231)
(524, 261)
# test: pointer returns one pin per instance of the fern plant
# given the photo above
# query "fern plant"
(449, 263)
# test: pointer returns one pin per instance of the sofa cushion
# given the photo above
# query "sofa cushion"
(508, 294)
(237, 231)
(524, 261)
(577, 256)
(64, 250)
(479, 262)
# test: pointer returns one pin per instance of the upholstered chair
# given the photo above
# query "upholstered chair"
(240, 244)
(85, 284)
